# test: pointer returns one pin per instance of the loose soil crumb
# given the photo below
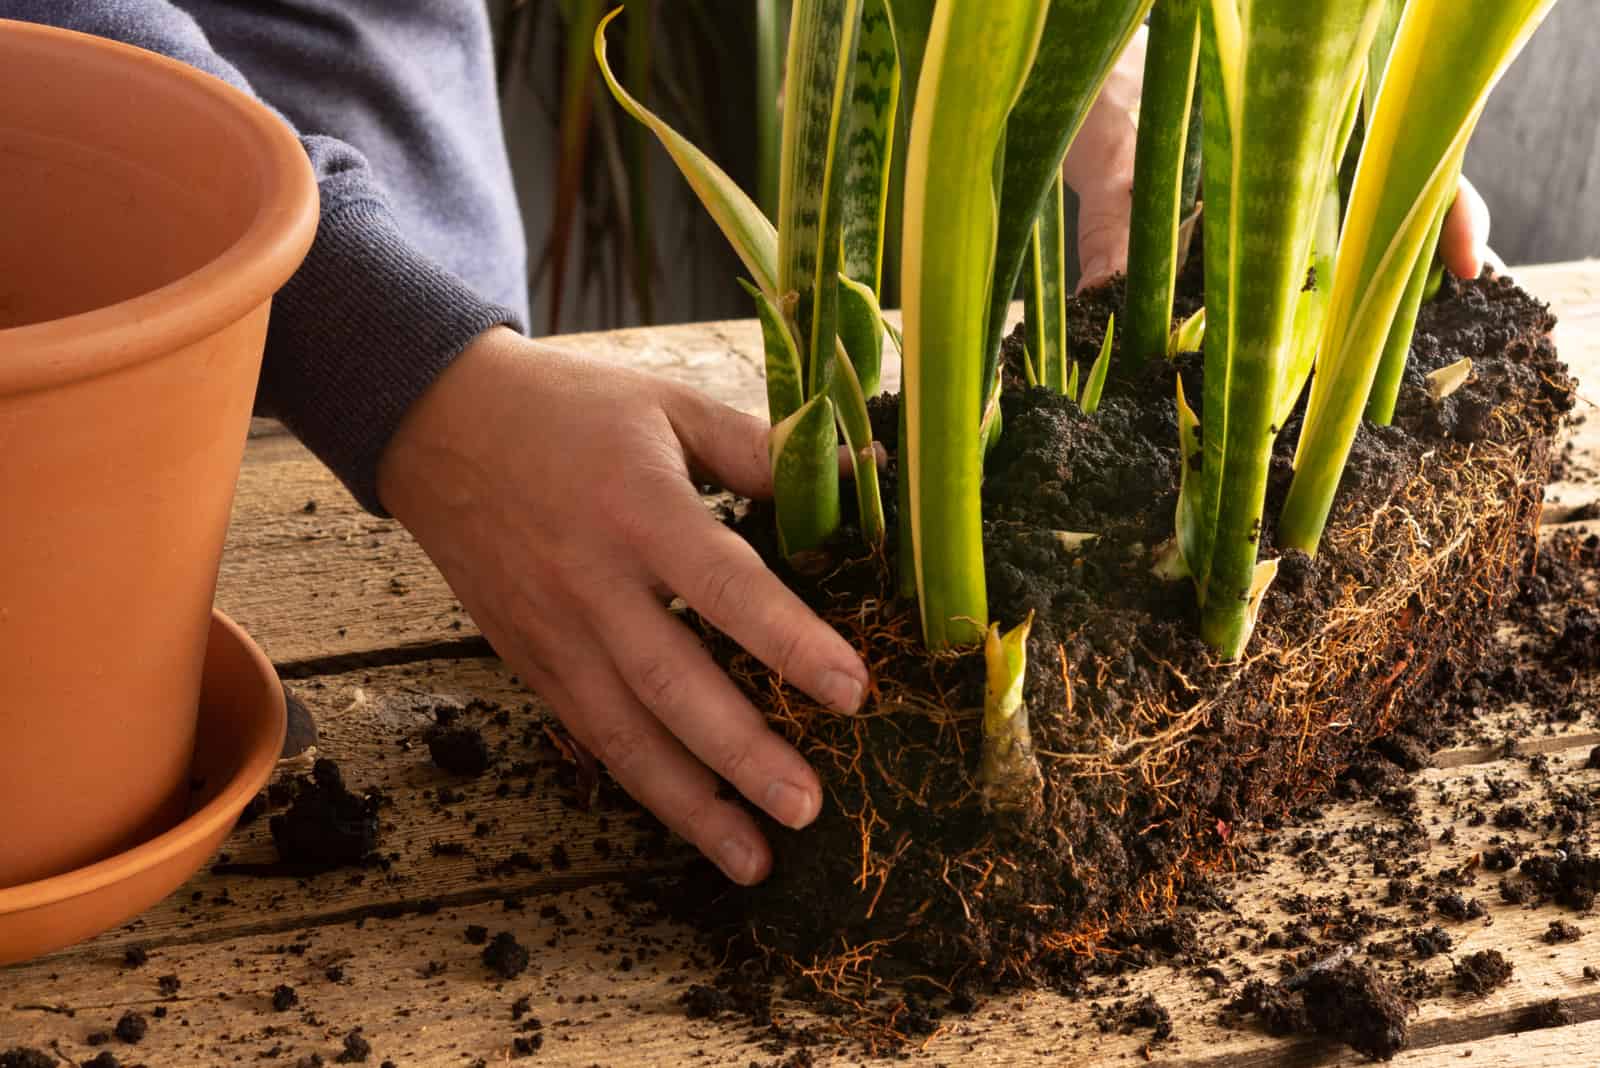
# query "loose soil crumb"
(326, 825)
(356, 1049)
(132, 1026)
(505, 956)
(1550, 1013)
(284, 998)
(23, 1057)
(1482, 972)
(1346, 1002)
(459, 750)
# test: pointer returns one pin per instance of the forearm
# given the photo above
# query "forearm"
(368, 322)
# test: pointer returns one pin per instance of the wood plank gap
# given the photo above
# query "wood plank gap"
(377, 910)
(469, 648)
(1488, 754)
(1431, 1034)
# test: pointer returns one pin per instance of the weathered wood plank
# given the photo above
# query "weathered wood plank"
(367, 716)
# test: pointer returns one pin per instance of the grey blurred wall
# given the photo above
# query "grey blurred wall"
(1536, 154)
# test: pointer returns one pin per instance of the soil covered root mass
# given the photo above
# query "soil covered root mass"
(1155, 756)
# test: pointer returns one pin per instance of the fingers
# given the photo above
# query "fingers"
(677, 681)
(603, 714)
(724, 579)
(1464, 241)
(723, 444)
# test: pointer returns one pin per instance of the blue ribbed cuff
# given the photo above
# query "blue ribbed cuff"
(363, 328)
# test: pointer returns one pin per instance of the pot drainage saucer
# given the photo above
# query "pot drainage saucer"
(240, 733)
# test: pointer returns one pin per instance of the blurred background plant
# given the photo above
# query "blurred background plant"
(614, 239)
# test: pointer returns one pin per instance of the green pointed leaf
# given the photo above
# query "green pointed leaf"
(805, 477)
(861, 330)
(851, 405)
(1048, 285)
(1188, 522)
(785, 393)
(1397, 347)
(749, 231)
(1072, 382)
(1090, 401)
(1189, 335)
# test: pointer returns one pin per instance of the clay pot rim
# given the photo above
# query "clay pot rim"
(54, 352)
(260, 753)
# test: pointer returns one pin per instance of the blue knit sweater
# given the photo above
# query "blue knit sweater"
(420, 245)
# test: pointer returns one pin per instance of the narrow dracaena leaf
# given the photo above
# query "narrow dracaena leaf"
(1187, 523)
(1446, 380)
(1051, 234)
(1447, 57)
(1072, 382)
(1397, 346)
(976, 60)
(818, 76)
(874, 103)
(1090, 401)
(861, 331)
(896, 337)
(1027, 367)
(851, 405)
(1170, 70)
(1077, 50)
(1008, 771)
(805, 477)
(1188, 335)
(1287, 69)
(785, 391)
(751, 233)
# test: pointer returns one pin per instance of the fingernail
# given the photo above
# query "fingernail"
(791, 805)
(840, 691)
(737, 859)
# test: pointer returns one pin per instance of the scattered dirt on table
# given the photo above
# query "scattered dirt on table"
(1481, 972)
(1343, 1001)
(284, 998)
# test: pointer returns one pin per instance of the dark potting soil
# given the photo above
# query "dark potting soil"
(1346, 1002)
(1481, 972)
(905, 871)
(459, 750)
(326, 826)
(23, 1057)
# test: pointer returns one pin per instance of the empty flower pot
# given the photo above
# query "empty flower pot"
(148, 212)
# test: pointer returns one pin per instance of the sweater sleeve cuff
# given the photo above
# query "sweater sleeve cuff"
(363, 328)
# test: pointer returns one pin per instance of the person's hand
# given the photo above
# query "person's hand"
(1099, 168)
(1464, 241)
(555, 495)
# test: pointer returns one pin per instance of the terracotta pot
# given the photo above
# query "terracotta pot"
(148, 212)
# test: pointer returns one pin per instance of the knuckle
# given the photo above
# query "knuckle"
(657, 683)
(733, 762)
(622, 748)
(724, 591)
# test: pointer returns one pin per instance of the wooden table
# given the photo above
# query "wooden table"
(372, 640)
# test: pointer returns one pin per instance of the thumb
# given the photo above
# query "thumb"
(1103, 216)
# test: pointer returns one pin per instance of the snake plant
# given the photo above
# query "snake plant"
(1312, 276)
